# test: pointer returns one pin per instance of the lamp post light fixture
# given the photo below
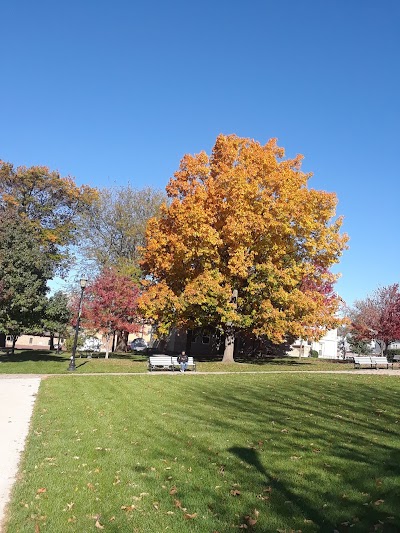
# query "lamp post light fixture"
(72, 367)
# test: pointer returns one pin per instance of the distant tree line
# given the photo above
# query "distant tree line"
(375, 319)
(46, 221)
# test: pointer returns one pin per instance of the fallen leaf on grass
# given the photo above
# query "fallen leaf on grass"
(98, 525)
(378, 502)
(235, 492)
(188, 516)
(128, 508)
(173, 491)
(41, 491)
(178, 504)
(37, 528)
(250, 521)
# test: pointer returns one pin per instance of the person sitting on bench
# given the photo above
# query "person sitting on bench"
(183, 361)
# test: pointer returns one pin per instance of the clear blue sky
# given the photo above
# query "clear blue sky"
(111, 92)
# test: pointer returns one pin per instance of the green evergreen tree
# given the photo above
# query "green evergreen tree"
(56, 317)
(24, 271)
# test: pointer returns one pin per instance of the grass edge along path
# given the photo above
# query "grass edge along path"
(263, 452)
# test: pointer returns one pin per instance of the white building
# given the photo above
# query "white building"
(327, 346)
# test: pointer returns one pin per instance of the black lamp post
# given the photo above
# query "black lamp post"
(72, 360)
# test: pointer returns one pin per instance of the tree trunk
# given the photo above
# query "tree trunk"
(109, 338)
(229, 345)
(14, 340)
(122, 341)
(51, 345)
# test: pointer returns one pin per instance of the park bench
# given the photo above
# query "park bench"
(363, 362)
(371, 362)
(190, 363)
(380, 362)
(160, 362)
(166, 362)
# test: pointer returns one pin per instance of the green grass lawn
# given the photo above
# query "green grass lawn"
(45, 362)
(212, 453)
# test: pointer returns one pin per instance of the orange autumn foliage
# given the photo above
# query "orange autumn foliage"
(243, 218)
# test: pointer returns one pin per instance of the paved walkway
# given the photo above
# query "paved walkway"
(17, 396)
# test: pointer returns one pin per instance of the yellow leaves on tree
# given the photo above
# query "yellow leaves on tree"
(48, 201)
(244, 218)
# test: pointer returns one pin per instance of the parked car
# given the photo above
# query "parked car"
(91, 344)
(139, 345)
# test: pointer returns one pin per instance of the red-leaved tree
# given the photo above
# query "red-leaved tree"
(110, 305)
(378, 316)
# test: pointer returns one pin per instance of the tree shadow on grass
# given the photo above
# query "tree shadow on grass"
(347, 422)
(263, 361)
(251, 457)
(33, 355)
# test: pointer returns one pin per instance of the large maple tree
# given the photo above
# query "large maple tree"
(243, 219)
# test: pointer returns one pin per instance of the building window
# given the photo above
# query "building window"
(205, 339)
(8, 338)
(30, 340)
